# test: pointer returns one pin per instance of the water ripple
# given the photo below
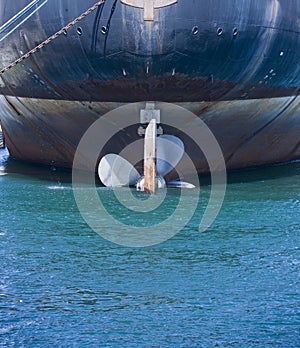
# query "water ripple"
(237, 285)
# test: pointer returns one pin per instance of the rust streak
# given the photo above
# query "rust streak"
(150, 158)
(252, 136)
(55, 88)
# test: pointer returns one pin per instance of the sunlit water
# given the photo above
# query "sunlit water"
(63, 285)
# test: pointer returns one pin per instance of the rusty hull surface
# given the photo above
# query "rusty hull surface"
(250, 133)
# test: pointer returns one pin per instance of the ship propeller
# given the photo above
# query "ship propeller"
(116, 171)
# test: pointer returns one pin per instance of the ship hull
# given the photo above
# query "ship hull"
(49, 131)
(235, 65)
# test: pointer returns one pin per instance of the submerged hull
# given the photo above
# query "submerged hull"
(233, 64)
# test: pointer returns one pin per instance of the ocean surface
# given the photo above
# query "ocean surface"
(235, 285)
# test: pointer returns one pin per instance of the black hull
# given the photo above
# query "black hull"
(234, 64)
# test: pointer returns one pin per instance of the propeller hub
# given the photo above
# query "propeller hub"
(160, 183)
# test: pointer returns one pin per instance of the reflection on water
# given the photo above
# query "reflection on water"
(9, 165)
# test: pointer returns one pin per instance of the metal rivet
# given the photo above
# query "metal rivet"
(219, 31)
(235, 31)
(79, 31)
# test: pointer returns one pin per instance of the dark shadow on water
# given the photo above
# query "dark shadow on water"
(41, 172)
(261, 173)
(268, 172)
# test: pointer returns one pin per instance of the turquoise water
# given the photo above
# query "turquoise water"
(236, 285)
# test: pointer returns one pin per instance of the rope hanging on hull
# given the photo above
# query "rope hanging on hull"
(53, 37)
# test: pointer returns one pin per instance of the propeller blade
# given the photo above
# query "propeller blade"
(115, 171)
(169, 152)
(180, 184)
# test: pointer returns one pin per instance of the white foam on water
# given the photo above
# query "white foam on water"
(58, 187)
